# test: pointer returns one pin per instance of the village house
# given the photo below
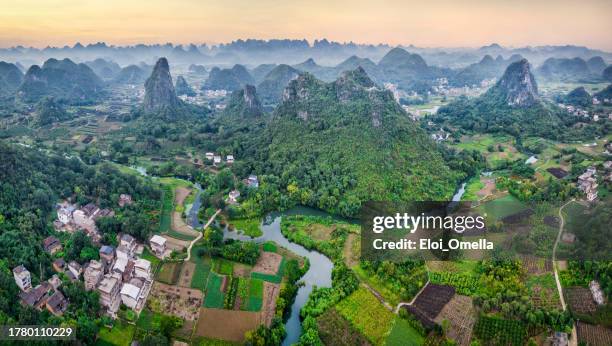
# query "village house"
(89, 210)
(229, 159)
(158, 244)
(134, 293)
(142, 268)
(120, 265)
(55, 281)
(104, 213)
(56, 303)
(124, 199)
(59, 265)
(64, 214)
(75, 269)
(531, 160)
(233, 197)
(82, 220)
(109, 289)
(128, 271)
(107, 255)
(22, 278)
(252, 181)
(123, 252)
(217, 160)
(93, 274)
(588, 184)
(209, 155)
(129, 243)
(51, 245)
(37, 296)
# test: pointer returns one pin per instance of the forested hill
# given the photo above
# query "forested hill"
(512, 106)
(336, 145)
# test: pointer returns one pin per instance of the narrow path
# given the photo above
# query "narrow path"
(400, 304)
(573, 341)
(554, 254)
(200, 235)
(413, 299)
(378, 296)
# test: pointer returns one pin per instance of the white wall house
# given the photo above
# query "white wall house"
(22, 278)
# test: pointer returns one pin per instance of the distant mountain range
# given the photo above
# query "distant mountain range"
(133, 74)
(563, 69)
(253, 52)
(231, 79)
(64, 80)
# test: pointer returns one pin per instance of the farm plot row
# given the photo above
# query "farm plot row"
(367, 315)
(463, 283)
(497, 331)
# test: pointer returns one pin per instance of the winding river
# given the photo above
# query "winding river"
(318, 275)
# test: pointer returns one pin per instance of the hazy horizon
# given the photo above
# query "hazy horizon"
(441, 23)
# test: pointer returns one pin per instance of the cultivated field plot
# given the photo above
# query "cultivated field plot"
(403, 334)
(352, 250)
(215, 291)
(186, 275)
(367, 315)
(255, 297)
(268, 263)
(543, 291)
(226, 324)
(433, 299)
(270, 295)
(169, 273)
(464, 283)
(201, 271)
(535, 265)
(593, 335)
(179, 301)
(336, 330)
(500, 208)
(497, 331)
(460, 313)
(580, 300)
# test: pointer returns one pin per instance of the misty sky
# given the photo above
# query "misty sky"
(430, 23)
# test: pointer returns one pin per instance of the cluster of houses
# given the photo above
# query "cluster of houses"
(440, 136)
(443, 88)
(120, 276)
(251, 182)
(579, 112)
(217, 159)
(45, 296)
(587, 183)
(70, 218)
